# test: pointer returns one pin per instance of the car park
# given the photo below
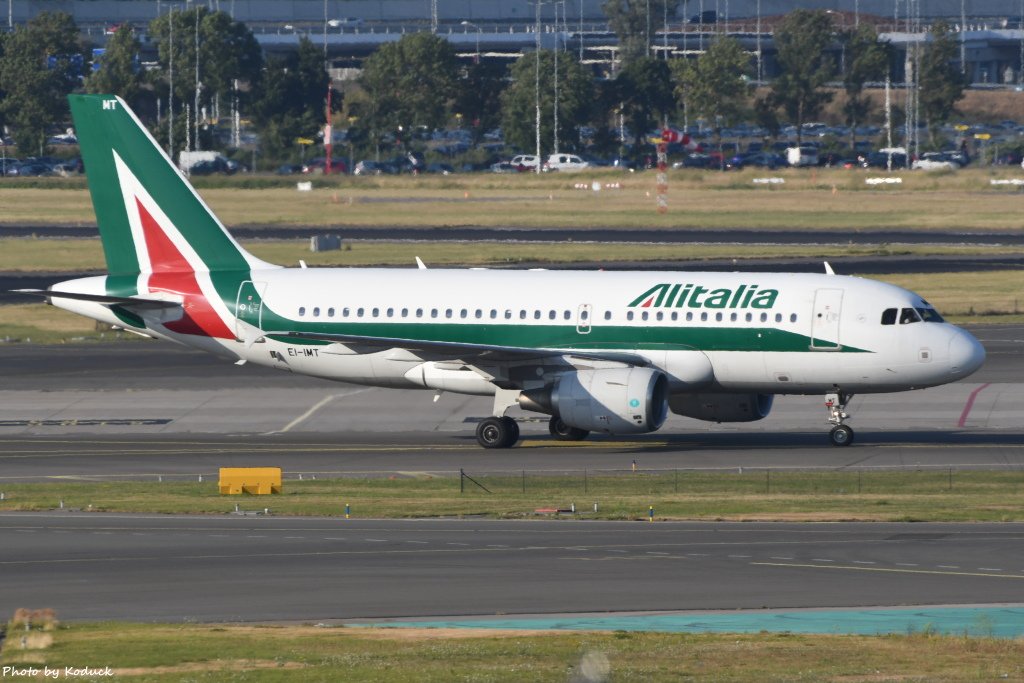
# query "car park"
(367, 167)
(442, 169)
(504, 167)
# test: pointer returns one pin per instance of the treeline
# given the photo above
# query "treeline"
(419, 84)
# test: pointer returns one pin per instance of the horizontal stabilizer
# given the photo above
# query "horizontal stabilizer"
(462, 350)
(134, 302)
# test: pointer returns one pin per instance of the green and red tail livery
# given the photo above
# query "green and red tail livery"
(158, 235)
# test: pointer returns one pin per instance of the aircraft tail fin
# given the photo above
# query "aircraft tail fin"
(150, 218)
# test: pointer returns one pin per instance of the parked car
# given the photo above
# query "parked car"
(8, 164)
(565, 162)
(880, 159)
(367, 167)
(936, 161)
(289, 169)
(804, 155)
(695, 160)
(31, 169)
(443, 169)
(526, 162)
(338, 166)
(504, 167)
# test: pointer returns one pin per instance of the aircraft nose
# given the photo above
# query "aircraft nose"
(966, 354)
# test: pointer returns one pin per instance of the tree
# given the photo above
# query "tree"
(479, 96)
(227, 51)
(644, 90)
(802, 40)
(118, 71)
(519, 102)
(865, 60)
(289, 101)
(634, 23)
(410, 83)
(41, 63)
(714, 86)
(940, 82)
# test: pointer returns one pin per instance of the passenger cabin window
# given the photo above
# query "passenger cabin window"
(889, 316)
(584, 315)
(391, 312)
(607, 315)
(330, 312)
(764, 317)
(567, 315)
(718, 317)
(494, 313)
(552, 315)
(302, 310)
(908, 316)
(405, 312)
(522, 314)
(659, 315)
(479, 314)
(344, 312)
(689, 316)
(419, 312)
(447, 312)
(644, 316)
(508, 314)
(536, 315)
(629, 315)
(778, 317)
(792, 317)
(433, 312)
(704, 317)
(359, 313)
(732, 317)
(463, 313)
(675, 315)
(376, 312)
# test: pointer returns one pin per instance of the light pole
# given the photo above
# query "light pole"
(468, 24)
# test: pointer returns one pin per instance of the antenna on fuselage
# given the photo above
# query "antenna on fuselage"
(420, 264)
(828, 269)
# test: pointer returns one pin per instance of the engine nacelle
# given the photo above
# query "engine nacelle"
(612, 400)
(722, 407)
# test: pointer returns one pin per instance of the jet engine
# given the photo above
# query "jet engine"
(722, 407)
(610, 400)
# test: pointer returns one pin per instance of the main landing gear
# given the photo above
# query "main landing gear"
(564, 432)
(497, 432)
(841, 434)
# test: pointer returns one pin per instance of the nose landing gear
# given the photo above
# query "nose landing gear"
(841, 434)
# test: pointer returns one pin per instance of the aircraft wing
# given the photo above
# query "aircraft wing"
(126, 301)
(464, 351)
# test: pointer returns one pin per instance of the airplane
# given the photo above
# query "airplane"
(606, 352)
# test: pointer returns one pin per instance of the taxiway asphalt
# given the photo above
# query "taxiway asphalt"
(166, 568)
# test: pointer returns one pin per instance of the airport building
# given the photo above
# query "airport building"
(991, 31)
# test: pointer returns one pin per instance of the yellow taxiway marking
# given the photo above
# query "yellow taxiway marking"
(888, 571)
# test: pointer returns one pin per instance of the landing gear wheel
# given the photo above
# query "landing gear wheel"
(564, 432)
(841, 435)
(497, 432)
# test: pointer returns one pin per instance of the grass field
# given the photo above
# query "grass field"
(233, 652)
(816, 199)
(929, 495)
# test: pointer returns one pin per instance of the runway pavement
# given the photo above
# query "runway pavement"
(99, 566)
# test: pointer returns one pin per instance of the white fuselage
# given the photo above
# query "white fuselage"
(821, 333)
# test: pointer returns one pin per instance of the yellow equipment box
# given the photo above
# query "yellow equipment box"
(259, 481)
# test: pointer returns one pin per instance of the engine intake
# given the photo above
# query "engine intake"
(613, 401)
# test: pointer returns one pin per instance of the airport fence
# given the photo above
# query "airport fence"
(636, 480)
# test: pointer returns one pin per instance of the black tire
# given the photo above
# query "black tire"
(497, 432)
(564, 432)
(841, 435)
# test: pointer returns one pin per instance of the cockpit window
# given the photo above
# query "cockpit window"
(889, 316)
(930, 315)
(909, 315)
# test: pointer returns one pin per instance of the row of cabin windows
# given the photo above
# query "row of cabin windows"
(493, 314)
